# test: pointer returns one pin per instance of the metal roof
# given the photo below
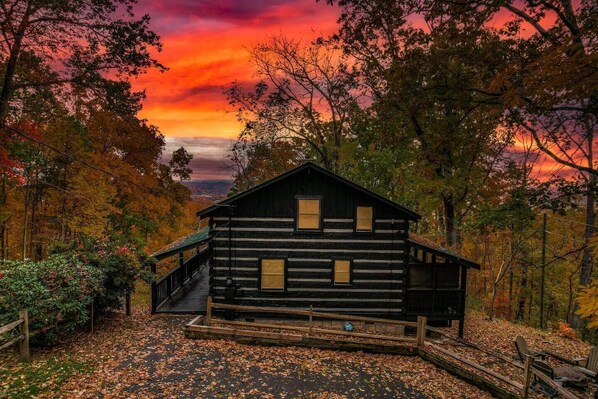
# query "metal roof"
(182, 244)
(436, 249)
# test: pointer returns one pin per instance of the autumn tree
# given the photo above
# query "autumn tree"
(94, 46)
(420, 80)
(254, 161)
(305, 95)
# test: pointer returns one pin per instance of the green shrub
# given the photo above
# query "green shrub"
(57, 292)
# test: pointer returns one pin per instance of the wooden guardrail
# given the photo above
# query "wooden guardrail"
(22, 339)
(163, 288)
(310, 329)
(529, 372)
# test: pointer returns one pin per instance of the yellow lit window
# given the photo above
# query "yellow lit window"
(342, 272)
(273, 274)
(365, 215)
(308, 214)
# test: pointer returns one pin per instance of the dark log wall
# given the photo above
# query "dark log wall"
(263, 225)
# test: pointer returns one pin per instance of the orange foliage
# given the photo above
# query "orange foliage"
(566, 332)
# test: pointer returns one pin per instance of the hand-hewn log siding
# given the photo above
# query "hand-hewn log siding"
(378, 276)
(263, 225)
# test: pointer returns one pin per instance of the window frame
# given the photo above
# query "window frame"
(333, 272)
(320, 229)
(285, 273)
(364, 232)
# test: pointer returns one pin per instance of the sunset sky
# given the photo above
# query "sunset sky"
(205, 47)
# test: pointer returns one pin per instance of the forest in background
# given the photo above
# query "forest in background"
(481, 127)
(483, 124)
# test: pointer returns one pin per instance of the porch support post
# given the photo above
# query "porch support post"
(153, 287)
(463, 297)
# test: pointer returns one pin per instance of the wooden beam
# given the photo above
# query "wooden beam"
(199, 332)
(476, 366)
(527, 375)
(472, 345)
(549, 381)
(312, 329)
(301, 312)
(196, 321)
(421, 330)
(467, 376)
(246, 333)
(12, 342)
(10, 326)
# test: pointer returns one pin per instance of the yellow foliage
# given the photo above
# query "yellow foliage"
(587, 300)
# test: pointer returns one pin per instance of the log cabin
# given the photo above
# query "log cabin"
(310, 237)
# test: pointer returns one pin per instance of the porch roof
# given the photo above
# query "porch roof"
(423, 243)
(182, 244)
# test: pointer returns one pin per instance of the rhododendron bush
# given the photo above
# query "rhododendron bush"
(57, 292)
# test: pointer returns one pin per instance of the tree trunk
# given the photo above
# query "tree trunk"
(25, 215)
(494, 291)
(3, 196)
(451, 235)
(522, 295)
(11, 66)
(587, 260)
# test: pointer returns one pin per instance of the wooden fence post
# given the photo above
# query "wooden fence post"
(128, 304)
(527, 376)
(91, 317)
(209, 311)
(24, 330)
(421, 330)
(311, 319)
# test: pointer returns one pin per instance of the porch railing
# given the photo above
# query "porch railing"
(167, 285)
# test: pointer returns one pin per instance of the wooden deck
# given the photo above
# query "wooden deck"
(192, 298)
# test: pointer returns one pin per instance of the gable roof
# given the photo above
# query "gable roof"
(310, 165)
(418, 241)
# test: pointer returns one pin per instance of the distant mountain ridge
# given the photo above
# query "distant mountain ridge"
(213, 189)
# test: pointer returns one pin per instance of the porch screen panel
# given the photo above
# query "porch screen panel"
(272, 274)
(308, 215)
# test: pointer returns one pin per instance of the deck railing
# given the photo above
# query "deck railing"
(163, 288)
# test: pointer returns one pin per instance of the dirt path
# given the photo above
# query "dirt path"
(148, 357)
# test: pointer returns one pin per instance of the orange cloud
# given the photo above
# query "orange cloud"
(207, 50)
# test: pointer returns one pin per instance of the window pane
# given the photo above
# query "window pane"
(342, 272)
(273, 266)
(309, 206)
(309, 222)
(308, 214)
(365, 216)
(364, 212)
(272, 282)
(273, 274)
